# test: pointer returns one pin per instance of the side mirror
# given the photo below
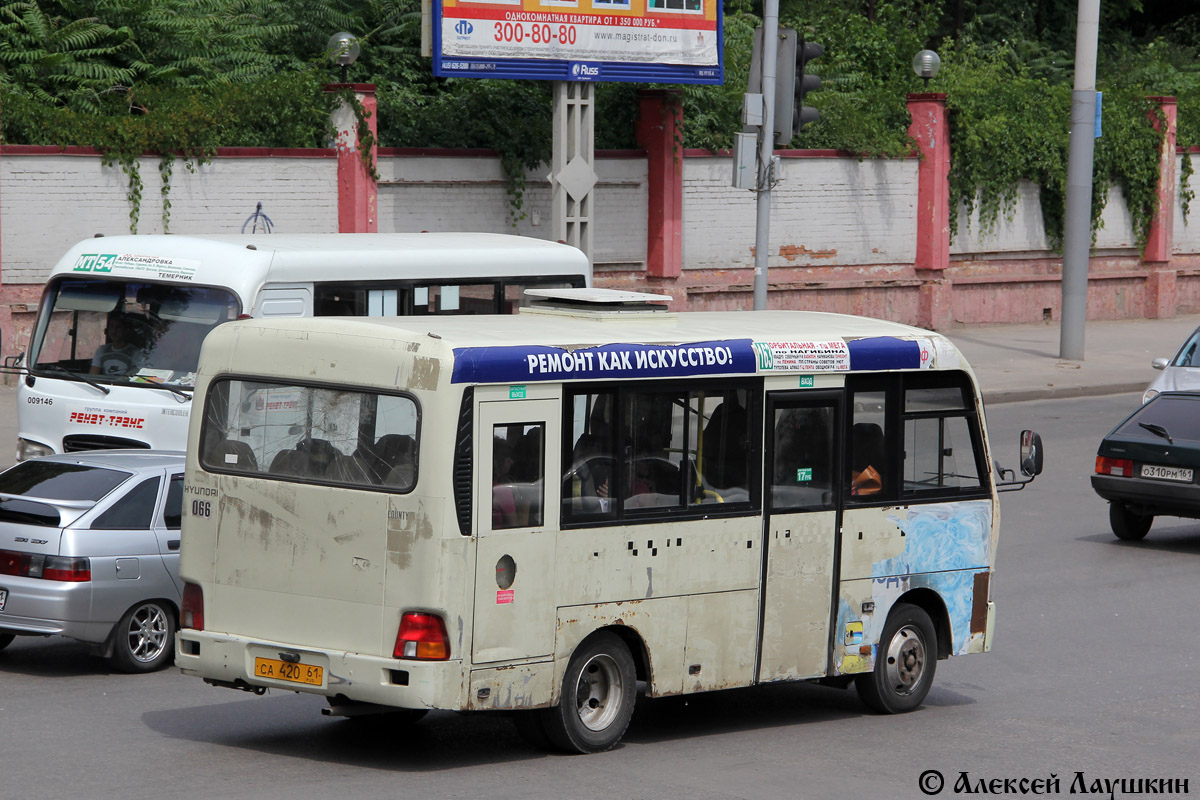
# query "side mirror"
(1031, 454)
(1160, 363)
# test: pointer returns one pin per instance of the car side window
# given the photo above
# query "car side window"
(173, 510)
(133, 511)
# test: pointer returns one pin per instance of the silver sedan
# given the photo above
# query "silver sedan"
(89, 548)
(1179, 374)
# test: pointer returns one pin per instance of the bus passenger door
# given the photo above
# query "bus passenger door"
(517, 524)
(800, 533)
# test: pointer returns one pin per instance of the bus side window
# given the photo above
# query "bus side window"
(589, 483)
(517, 486)
(870, 450)
(942, 453)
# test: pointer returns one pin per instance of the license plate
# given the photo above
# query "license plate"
(3, 598)
(1166, 473)
(307, 674)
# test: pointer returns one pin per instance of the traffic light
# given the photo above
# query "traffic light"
(792, 82)
(805, 83)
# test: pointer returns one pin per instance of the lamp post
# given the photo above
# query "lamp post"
(343, 50)
(926, 64)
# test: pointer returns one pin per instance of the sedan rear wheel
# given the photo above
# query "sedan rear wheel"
(144, 639)
(1127, 525)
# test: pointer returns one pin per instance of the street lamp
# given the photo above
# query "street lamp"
(926, 64)
(343, 51)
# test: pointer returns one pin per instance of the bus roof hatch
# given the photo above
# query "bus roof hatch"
(596, 302)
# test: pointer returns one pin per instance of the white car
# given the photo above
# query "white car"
(89, 549)
(1179, 374)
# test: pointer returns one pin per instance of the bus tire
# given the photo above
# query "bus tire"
(905, 662)
(1126, 525)
(598, 693)
(144, 639)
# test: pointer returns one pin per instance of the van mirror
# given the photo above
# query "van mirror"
(1031, 454)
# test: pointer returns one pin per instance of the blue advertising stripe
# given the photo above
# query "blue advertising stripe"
(531, 363)
(884, 352)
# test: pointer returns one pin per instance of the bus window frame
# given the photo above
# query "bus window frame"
(624, 515)
(406, 303)
(263, 474)
(894, 386)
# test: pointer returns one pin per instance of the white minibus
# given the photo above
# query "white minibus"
(112, 357)
(537, 513)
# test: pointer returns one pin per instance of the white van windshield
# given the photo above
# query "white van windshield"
(127, 331)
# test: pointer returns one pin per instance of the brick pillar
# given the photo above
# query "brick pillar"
(660, 114)
(357, 187)
(1158, 243)
(931, 131)
(1160, 299)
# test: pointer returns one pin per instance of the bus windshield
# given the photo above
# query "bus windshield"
(127, 332)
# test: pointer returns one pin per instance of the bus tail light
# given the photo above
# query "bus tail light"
(1118, 467)
(422, 636)
(191, 614)
(51, 568)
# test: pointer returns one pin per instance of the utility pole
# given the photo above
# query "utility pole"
(766, 151)
(1077, 225)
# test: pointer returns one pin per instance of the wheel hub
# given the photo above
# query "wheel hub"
(905, 660)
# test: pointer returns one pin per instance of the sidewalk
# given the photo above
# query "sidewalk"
(1020, 362)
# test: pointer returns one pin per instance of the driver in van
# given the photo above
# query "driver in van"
(120, 355)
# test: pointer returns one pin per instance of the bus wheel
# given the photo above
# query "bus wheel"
(144, 639)
(904, 663)
(598, 694)
(1127, 525)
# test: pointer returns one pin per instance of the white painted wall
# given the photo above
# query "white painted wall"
(469, 193)
(824, 212)
(1019, 228)
(1187, 237)
(49, 202)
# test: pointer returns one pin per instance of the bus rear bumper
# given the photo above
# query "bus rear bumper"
(253, 664)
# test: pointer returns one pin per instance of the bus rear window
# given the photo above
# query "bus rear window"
(312, 434)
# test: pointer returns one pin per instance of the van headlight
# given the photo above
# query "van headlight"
(27, 450)
(1149, 395)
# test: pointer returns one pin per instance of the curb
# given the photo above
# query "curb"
(997, 396)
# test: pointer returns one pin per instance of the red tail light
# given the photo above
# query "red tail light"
(1119, 467)
(422, 636)
(50, 568)
(191, 614)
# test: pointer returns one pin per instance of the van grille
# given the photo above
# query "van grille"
(84, 441)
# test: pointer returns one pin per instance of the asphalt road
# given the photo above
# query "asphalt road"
(1093, 672)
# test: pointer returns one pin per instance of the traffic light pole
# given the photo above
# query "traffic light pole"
(1077, 224)
(766, 151)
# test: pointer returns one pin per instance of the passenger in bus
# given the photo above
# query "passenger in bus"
(587, 488)
(504, 499)
(120, 355)
(725, 445)
(867, 460)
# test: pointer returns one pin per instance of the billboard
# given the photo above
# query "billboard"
(646, 41)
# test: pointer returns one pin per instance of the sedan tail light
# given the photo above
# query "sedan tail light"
(1117, 467)
(191, 613)
(50, 568)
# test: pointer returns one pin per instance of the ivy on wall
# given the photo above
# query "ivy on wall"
(288, 110)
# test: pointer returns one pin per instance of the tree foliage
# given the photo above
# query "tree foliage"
(185, 76)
